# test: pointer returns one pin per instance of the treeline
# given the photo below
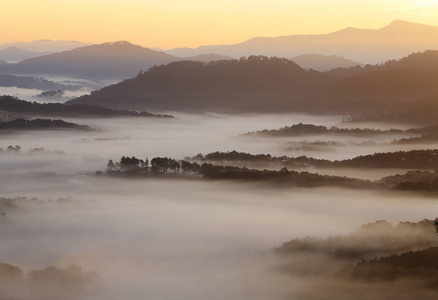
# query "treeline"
(415, 159)
(419, 265)
(310, 129)
(164, 166)
(427, 134)
(17, 150)
(13, 104)
(19, 124)
(422, 181)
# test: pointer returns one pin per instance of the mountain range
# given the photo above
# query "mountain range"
(42, 46)
(372, 46)
(262, 84)
(15, 54)
(121, 60)
(109, 62)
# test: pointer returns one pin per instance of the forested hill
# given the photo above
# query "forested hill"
(253, 83)
(12, 104)
(396, 81)
(262, 84)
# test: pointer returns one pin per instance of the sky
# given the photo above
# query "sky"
(168, 24)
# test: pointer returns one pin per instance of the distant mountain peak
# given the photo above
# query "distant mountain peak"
(39, 41)
(118, 43)
(401, 25)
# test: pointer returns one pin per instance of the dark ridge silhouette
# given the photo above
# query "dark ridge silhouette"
(310, 129)
(22, 124)
(12, 104)
(256, 83)
(168, 167)
(414, 159)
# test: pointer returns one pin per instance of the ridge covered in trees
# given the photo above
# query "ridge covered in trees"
(21, 124)
(168, 167)
(256, 82)
(414, 159)
(13, 104)
(311, 129)
(415, 181)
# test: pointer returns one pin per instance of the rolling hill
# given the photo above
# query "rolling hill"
(257, 83)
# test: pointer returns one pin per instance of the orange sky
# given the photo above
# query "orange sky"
(190, 23)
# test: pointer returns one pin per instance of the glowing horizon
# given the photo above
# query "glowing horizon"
(170, 24)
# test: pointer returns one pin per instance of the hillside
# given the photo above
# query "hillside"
(396, 81)
(254, 84)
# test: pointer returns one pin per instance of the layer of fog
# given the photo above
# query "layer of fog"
(178, 239)
(187, 135)
(173, 239)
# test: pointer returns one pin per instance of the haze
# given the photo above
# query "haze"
(171, 239)
(173, 24)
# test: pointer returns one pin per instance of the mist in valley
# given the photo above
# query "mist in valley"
(175, 238)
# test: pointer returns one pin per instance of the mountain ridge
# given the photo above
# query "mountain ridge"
(262, 84)
(395, 40)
